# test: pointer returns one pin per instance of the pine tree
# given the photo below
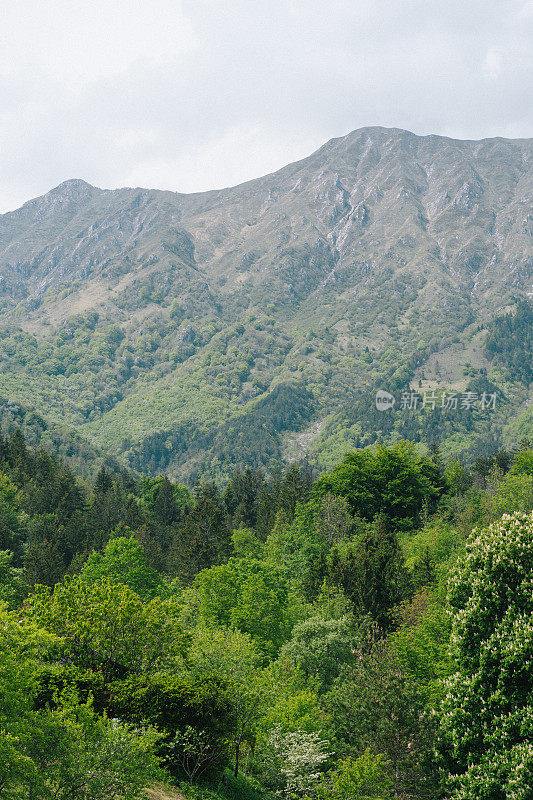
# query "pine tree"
(384, 580)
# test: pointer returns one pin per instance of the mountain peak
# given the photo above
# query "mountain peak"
(73, 187)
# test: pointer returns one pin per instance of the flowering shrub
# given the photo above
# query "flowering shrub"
(294, 762)
(486, 741)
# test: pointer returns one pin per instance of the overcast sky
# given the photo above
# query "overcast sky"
(197, 94)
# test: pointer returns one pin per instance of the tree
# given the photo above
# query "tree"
(203, 536)
(78, 755)
(295, 761)
(523, 462)
(246, 544)
(103, 482)
(395, 481)
(12, 533)
(262, 611)
(374, 577)
(246, 594)
(320, 646)
(377, 704)
(193, 712)
(508, 493)
(123, 562)
(333, 519)
(362, 778)
(19, 649)
(485, 741)
(43, 563)
(12, 585)
(66, 751)
(164, 507)
(107, 628)
(233, 656)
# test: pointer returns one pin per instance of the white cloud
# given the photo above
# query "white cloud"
(492, 64)
(75, 42)
(194, 94)
(526, 10)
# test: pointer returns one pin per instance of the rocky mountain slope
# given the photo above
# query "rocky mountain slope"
(189, 332)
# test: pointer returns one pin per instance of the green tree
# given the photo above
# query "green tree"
(194, 713)
(362, 778)
(523, 462)
(235, 658)
(486, 714)
(375, 577)
(246, 544)
(333, 519)
(20, 646)
(506, 494)
(106, 627)
(78, 755)
(13, 588)
(320, 646)
(123, 562)
(377, 704)
(12, 527)
(247, 594)
(395, 481)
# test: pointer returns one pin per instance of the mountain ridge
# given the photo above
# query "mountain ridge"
(330, 142)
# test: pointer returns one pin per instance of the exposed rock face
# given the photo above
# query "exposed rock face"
(391, 236)
(459, 209)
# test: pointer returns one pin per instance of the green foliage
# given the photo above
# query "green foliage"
(510, 342)
(421, 643)
(394, 481)
(163, 499)
(508, 493)
(246, 544)
(12, 586)
(486, 714)
(106, 627)
(67, 751)
(320, 647)
(249, 595)
(19, 650)
(194, 714)
(438, 539)
(233, 657)
(523, 462)
(11, 523)
(123, 562)
(299, 642)
(372, 572)
(379, 706)
(457, 477)
(80, 754)
(362, 778)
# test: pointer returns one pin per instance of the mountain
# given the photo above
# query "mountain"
(186, 333)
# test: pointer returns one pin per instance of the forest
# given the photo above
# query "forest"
(360, 633)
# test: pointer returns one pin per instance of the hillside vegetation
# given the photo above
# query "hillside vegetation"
(195, 333)
(361, 634)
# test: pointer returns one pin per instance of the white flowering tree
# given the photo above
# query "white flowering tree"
(294, 762)
(487, 715)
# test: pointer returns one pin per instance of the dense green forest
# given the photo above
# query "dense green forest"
(362, 633)
(188, 397)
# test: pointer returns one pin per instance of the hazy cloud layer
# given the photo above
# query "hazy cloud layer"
(197, 95)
